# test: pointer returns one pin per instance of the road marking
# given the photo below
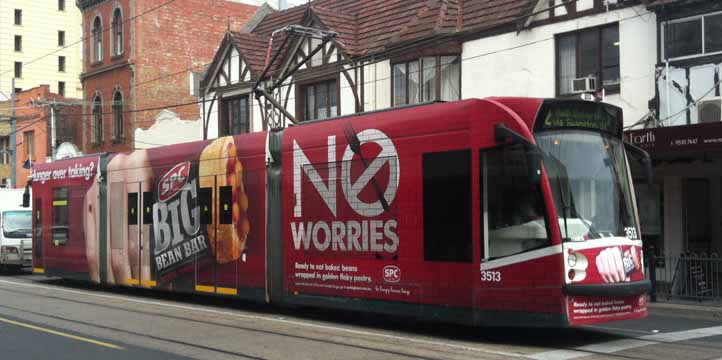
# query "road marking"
(685, 335)
(613, 346)
(54, 332)
(604, 328)
(401, 339)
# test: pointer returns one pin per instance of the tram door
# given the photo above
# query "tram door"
(217, 271)
(207, 200)
(140, 219)
(447, 226)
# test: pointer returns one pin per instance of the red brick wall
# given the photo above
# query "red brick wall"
(36, 119)
(162, 45)
(174, 38)
(106, 85)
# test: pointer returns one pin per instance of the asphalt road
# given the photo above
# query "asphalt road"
(43, 318)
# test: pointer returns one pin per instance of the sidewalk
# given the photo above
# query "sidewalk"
(686, 309)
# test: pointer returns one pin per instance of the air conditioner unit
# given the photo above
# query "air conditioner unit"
(584, 85)
(709, 110)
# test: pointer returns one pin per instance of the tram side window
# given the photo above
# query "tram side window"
(133, 208)
(147, 208)
(225, 213)
(61, 213)
(205, 198)
(447, 206)
(515, 205)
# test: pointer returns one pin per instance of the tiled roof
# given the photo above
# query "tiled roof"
(252, 47)
(371, 26)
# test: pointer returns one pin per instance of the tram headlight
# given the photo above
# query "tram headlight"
(572, 260)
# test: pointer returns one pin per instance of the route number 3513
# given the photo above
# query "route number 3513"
(491, 276)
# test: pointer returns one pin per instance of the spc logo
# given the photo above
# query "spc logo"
(392, 273)
(173, 181)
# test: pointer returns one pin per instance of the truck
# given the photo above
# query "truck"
(15, 230)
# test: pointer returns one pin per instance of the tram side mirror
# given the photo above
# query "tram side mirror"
(534, 162)
(644, 159)
(504, 135)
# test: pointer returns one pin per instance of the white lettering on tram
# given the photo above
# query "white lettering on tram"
(375, 235)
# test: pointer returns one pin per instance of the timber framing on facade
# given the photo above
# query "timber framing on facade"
(367, 32)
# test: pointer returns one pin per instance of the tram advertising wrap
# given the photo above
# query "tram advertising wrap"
(499, 211)
(174, 221)
(343, 224)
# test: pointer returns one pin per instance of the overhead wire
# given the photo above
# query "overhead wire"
(83, 38)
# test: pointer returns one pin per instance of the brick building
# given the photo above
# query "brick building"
(142, 54)
(34, 128)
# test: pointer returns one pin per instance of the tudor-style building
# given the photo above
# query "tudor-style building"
(366, 66)
(392, 53)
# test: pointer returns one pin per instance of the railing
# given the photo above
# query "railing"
(690, 276)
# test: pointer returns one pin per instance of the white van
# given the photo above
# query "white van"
(15, 230)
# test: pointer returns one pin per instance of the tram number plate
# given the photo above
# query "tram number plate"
(631, 232)
(491, 276)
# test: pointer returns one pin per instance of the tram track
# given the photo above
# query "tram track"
(356, 340)
(92, 325)
(209, 327)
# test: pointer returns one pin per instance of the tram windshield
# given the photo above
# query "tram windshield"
(589, 180)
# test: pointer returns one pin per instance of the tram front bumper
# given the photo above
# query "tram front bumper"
(609, 290)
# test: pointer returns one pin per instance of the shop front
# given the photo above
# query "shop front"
(681, 211)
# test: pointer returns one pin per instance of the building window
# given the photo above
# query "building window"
(29, 142)
(98, 119)
(692, 36)
(97, 40)
(117, 27)
(118, 126)
(427, 79)
(18, 43)
(588, 53)
(61, 63)
(61, 5)
(61, 88)
(18, 17)
(61, 38)
(447, 206)
(235, 118)
(4, 150)
(18, 69)
(320, 100)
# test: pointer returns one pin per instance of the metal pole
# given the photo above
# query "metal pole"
(13, 138)
(669, 101)
(53, 137)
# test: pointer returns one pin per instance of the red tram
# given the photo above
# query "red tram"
(500, 211)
